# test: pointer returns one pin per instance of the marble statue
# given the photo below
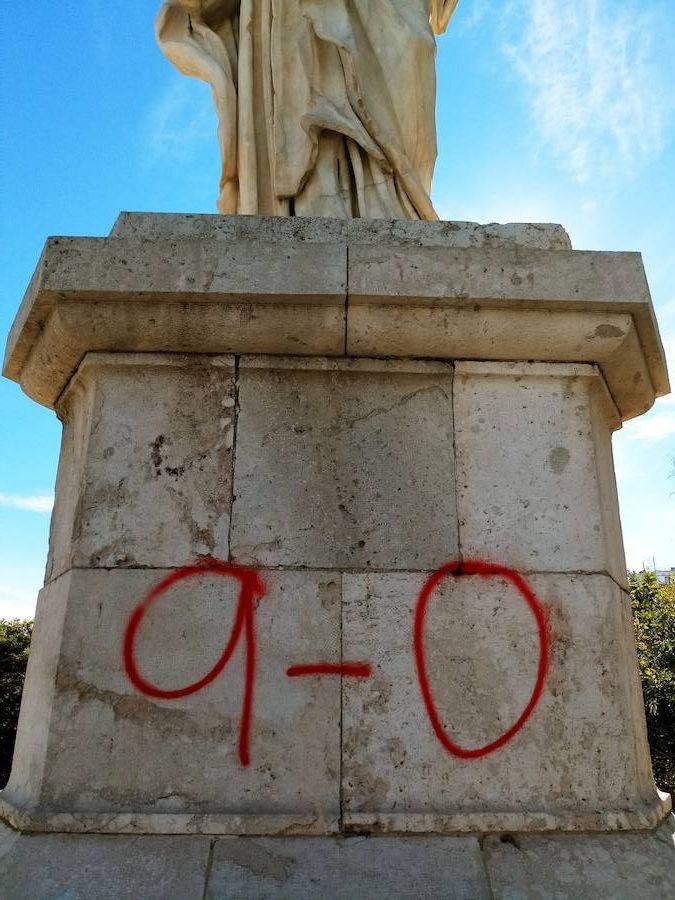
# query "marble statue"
(325, 107)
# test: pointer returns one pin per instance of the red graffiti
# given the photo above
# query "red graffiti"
(252, 588)
(485, 570)
(348, 670)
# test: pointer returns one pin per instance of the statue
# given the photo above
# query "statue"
(325, 107)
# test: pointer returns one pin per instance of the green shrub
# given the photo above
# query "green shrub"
(14, 644)
(654, 620)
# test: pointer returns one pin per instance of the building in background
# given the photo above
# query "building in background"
(665, 576)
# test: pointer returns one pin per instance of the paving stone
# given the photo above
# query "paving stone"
(101, 867)
(346, 868)
(583, 867)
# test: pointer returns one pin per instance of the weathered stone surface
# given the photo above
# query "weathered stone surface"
(100, 867)
(581, 761)
(156, 326)
(45, 345)
(344, 464)
(145, 476)
(172, 765)
(414, 274)
(418, 301)
(535, 480)
(386, 232)
(623, 867)
(473, 330)
(378, 867)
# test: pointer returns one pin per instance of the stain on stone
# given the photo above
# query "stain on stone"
(329, 594)
(509, 839)
(176, 472)
(379, 696)
(256, 858)
(608, 331)
(201, 536)
(125, 561)
(397, 751)
(558, 459)
(156, 452)
(169, 720)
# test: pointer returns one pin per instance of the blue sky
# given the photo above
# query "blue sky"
(547, 111)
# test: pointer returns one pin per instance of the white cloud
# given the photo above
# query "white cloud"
(181, 121)
(597, 92)
(474, 14)
(652, 427)
(40, 503)
(659, 423)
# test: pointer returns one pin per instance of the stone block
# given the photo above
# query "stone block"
(344, 464)
(535, 478)
(331, 868)
(159, 765)
(145, 476)
(101, 867)
(310, 229)
(580, 762)
(622, 867)
(509, 303)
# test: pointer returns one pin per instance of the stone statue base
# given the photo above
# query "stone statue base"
(275, 432)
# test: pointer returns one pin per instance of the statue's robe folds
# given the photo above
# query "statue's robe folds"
(325, 107)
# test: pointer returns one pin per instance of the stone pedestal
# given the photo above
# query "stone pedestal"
(342, 408)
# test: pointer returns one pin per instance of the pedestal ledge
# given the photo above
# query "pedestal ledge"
(321, 287)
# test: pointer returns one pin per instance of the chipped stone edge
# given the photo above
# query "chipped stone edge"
(443, 233)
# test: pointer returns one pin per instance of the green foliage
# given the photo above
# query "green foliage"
(14, 645)
(654, 620)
